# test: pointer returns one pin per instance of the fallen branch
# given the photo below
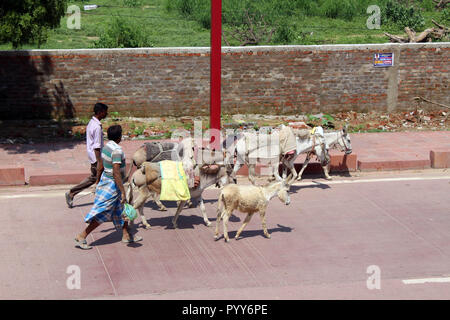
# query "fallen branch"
(418, 99)
(441, 4)
(427, 35)
(253, 31)
(432, 102)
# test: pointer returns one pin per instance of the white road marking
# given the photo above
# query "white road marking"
(40, 194)
(52, 194)
(371, 180)
(426, 280)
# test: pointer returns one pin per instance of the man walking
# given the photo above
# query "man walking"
(110, 194)
(94, 145)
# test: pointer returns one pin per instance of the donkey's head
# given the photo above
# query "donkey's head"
(224, 176)
(343, 141)
(279, 188)
(283, 193)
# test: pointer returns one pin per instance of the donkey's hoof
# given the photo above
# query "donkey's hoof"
(147, 226)
(268, 236)
(208, 223)
(328, 178)
(162, 209)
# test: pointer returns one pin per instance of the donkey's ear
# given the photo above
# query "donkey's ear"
(345, 129)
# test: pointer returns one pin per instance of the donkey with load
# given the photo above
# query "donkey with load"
(148, 180)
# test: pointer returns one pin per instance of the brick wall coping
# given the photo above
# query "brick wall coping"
(206, 50)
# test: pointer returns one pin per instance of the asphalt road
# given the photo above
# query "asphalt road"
(372, 236)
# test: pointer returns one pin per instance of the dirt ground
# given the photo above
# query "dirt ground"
(37, 131)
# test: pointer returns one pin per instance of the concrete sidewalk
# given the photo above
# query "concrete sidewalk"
(66, 162)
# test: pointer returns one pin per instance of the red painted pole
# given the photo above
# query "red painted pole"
(216, 50)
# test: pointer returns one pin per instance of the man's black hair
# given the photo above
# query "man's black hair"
(115, 132)
(99, 107)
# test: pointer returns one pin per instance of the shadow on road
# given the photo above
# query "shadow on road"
(254, 233)
(113, 237)
(295, 189)
(87, 204)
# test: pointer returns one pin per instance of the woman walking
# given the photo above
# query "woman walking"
(110, 193)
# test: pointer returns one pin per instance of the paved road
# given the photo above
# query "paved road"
(322, 245)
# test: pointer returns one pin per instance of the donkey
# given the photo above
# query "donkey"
(154, 152)
(158, 151)
(148, 180)
(304, 143)
(336, 139)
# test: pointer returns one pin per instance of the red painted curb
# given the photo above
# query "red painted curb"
(64, 178)
(12, 176)
(53, 179)
(440, 159)
(393, 165)
(343, 163)
(338, 163)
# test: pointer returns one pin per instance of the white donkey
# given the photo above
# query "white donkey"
(333, 140)
(286, 153)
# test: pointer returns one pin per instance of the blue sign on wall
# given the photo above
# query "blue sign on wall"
(383, 59)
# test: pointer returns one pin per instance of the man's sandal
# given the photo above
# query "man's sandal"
(132, 239)
(69, 200)
(82, 244)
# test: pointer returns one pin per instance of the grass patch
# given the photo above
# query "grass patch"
(180, 23)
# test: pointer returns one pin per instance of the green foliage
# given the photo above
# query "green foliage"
(403, 16)
(78, 136)
(132, 3)
(342, 9)
(312, 118)
(356, 128)
(161, 23)
(114, 114)
(327, 121)
(328, 117)
(198, 10)
(187, 126)
(123, 33)
(427, 5)
(28, 21)
(285, 33)
(139, 130)
(274, 11)
(84, 120)
(446, 15)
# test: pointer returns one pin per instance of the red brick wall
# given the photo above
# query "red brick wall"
(175, 81)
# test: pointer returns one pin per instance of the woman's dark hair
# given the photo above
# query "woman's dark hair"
(99, 107)
(115, 132)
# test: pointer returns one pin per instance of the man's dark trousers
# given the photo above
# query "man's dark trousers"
(86, 183)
